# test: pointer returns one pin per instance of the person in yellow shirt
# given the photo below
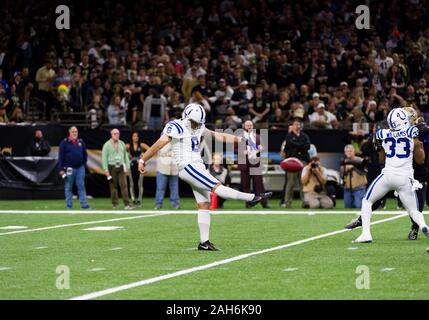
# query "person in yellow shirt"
(44, 78)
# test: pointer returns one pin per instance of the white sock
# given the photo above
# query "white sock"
(418, 218)
(366, 214)
(229, 193)
(204, 224)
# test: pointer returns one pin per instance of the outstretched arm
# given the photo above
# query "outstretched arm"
(158, 145)
(223, 137)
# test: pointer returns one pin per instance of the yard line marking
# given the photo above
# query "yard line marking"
(108, 291)
(103, 228)
(352, 248)
(83, 223)
(96, 269)
(4, 268)
(13, 227)
(387, 269)
(115, 249)
(40, 248)
(290, 269)
(214, 212)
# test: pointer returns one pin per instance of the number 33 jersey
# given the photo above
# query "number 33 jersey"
(185, 142)
(399, 147)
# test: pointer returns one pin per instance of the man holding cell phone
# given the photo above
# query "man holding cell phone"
(72, 159)
(116, 166)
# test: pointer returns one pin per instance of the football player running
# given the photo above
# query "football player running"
(420, 173)
(185, 136)
(398, 145)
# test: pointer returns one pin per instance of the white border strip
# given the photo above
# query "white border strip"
(82, 224)
(105, 292)
(215, 212)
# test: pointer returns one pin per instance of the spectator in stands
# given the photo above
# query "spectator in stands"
(296, 144)
(354, 177)
(95, 112)
(221, 173)
(415, 62)
(175, 106)
(16, 114)
(422, 99)
(3, 116)
(321, 118)
(155, 110)
(4, 101)
(116, 166)
(223, 96)
(44, 78)
(40, 147)
(232, 121)
(277, 121)
(259, 108)
(197, 97)
(240, 100)
(189, 83)
(115, 113)
(313, 179)
(72, 158)
(167, 174)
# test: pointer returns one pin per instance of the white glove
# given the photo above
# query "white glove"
(416, 185)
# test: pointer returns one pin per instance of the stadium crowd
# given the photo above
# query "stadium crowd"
(268, 61)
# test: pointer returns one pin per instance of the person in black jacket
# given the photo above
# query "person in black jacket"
(40, 147)
(296, 144)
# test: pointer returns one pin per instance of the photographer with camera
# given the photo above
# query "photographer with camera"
(313, 181)
(354, 175)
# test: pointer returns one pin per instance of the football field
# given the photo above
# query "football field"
(47, 252)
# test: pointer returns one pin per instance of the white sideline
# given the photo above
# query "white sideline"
(82, 223)
(215, 212)
(105, 292)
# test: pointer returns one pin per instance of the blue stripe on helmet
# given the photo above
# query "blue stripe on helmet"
(196, 178)
(202, 113)
(202, 176)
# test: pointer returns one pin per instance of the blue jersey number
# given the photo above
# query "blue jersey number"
(392, 147)
(195, 143)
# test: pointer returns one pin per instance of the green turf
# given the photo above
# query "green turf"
(147, 204)
(153, 246)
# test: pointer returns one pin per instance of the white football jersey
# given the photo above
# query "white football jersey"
(185, 142)
(399, 147)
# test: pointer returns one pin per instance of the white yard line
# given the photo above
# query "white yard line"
(215, 212)
(144, 282)
(82, 224)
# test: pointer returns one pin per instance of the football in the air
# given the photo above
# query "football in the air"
(291, 165)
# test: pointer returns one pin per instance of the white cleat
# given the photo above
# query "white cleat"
(363, 239)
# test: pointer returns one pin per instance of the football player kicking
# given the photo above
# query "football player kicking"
(420, 174)
(398, 146)
(185, 136)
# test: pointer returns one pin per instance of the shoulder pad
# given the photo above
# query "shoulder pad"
(173, 129)
(379, 134)
(413, 132)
